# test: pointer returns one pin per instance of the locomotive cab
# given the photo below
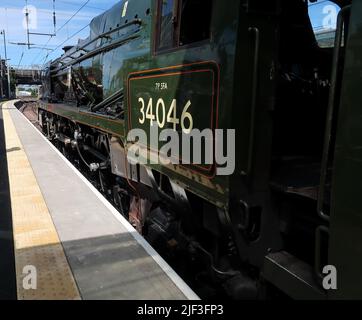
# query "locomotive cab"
(292, 103)
(300, 162)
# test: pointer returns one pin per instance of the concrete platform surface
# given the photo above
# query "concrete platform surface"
(81, 246)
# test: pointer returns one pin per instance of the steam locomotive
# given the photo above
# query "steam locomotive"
(292, 205)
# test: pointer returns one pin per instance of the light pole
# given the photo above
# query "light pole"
(7, 62)
(1, 79)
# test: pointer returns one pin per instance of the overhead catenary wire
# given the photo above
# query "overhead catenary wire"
(74, 4)
(59, 29)
(21, 59)
(72, 17)
(38, 58)
(71, 3)
(72, 36)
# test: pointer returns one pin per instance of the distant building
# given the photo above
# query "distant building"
(325, 38)
(3, 80)
(21, 94)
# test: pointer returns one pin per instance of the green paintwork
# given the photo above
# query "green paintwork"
(197, 84)
(113, 69)
(221, 50)
(83, 116)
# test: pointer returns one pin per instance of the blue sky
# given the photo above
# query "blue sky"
(12, 16)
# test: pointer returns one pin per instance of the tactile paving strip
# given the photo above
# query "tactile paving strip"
(36, 240)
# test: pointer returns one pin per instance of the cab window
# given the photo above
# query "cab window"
(323, 15)
(166, 24)
(183, 22)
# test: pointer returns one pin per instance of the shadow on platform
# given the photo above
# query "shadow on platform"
(7, 259)
(111, 267)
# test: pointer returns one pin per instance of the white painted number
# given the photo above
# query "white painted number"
(187, 121)
(149, 113)
(172, 115)
(143, 119)
(161, 103)
(186, 115)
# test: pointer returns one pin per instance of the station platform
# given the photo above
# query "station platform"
(65, 230)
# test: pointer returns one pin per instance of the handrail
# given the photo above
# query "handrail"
(112, 45)
(255, 83)
(105, 35)
(330, 112)
(111, 99)
(243, 226)
(100, 49)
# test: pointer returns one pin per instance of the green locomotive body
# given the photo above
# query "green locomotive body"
(113, 64)
(255, 67)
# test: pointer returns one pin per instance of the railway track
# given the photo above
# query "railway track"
(29, 108)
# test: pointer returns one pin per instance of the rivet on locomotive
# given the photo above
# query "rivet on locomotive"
(249, 65)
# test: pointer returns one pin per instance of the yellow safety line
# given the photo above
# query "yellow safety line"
(36, 240)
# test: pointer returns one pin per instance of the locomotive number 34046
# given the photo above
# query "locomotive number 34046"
(166, 115)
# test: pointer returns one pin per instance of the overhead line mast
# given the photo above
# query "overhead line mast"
(36, 33)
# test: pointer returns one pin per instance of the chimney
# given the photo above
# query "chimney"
(67, 48)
